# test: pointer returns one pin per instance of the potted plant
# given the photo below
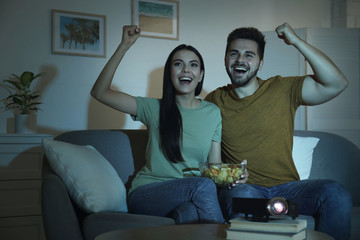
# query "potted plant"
(23, 101)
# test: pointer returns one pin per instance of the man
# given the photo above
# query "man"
(258, 125)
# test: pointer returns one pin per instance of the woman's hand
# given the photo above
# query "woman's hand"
(130, 34)
(102, 90)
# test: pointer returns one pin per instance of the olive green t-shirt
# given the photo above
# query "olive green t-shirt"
(201, 126)
(260, 127)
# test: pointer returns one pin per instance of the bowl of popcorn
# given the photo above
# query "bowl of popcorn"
(223, 173)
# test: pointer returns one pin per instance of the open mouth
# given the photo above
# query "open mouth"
(240, 69)
(185, 80)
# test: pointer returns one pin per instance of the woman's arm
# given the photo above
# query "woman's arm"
(101, 89)
(215, 152)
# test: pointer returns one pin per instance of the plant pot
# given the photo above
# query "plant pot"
(25, 123)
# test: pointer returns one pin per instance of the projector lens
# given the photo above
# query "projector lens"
(277, 206)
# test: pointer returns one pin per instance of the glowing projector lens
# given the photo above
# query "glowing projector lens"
(277, 206)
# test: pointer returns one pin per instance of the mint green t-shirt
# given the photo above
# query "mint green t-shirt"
(201, 126)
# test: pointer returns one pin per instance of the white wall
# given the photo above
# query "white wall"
(25, 45)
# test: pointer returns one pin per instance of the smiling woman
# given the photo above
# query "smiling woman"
(187, 72)
(175, 124)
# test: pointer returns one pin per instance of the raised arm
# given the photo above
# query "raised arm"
(101, 89)
(328, 81)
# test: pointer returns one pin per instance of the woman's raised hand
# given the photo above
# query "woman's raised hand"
(102, 90)
(130, 34)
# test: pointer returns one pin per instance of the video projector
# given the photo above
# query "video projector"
(259, 209)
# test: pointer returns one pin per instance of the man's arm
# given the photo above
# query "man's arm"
(328, 81)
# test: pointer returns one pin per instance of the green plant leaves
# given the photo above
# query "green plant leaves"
(23, 100)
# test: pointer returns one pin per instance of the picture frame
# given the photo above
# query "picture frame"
(156, 18)
(80, 34)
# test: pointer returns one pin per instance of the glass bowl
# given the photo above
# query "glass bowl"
(223, 173)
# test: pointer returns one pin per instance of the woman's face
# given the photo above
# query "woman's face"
(185, 71)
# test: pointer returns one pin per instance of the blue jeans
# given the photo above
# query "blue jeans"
(160, 199)
(326, 200)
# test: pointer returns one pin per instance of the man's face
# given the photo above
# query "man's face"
(242, 61)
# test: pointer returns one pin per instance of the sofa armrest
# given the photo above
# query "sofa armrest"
(336, 158)
(60, 218)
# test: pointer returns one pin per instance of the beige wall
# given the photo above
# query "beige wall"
(25, 44)
(345, 13)
(353, 13)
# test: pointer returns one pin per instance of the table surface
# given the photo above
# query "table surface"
(185, 231)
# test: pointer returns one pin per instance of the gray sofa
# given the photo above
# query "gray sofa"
(339, 159)
(334, 158)
(63, 219)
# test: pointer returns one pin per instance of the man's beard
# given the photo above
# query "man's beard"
(243, 82)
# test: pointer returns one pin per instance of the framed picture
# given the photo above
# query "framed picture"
(75, 33)
(156, 18)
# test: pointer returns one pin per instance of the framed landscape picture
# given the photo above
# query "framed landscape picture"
(75, 33)
(156, 18)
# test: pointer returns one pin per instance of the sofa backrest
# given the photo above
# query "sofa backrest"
(336, 158)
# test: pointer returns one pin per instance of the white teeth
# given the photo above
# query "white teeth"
(185, 79)
(241, 68)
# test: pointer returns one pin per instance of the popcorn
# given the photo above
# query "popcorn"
(223, 174)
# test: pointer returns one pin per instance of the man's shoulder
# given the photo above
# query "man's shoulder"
(218, 93)
(209, 104)
(225, 88)
(279, 78)
(280, 82)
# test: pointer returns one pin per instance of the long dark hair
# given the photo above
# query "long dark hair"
(170, 122)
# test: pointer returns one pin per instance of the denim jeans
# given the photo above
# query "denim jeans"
(326, 200)
(160, 199)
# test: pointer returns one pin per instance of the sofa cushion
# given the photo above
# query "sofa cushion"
(303, 148)
(92, 182)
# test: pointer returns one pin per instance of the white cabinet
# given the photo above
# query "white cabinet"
(20, 186)
(340, 115)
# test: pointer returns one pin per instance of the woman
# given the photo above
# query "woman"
(183, 132)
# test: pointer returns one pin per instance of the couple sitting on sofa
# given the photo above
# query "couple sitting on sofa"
(253, 120)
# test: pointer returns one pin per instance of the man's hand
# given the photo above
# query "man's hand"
(244, 178)
(287, 33)
(330, 81)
